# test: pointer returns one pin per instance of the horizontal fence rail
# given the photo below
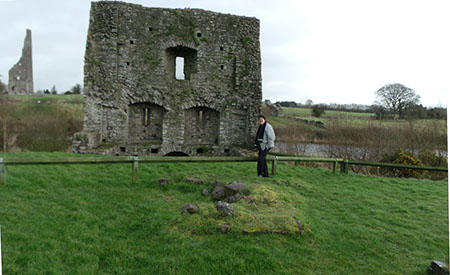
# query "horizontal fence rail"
(344, 164)
(395, 165)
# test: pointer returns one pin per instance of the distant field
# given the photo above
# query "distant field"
(86, 219)
(71, 99)
(72, 103)
(306, 113)
(358, 119)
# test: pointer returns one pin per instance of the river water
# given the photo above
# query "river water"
(320, 150)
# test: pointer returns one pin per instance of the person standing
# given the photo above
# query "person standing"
(264, 141)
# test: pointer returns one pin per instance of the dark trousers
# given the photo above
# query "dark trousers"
(262, 163)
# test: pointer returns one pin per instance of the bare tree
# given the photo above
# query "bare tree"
(3, 89)
(397, 98)
(7, 111)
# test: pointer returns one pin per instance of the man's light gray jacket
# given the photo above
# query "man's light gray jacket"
(268, 138)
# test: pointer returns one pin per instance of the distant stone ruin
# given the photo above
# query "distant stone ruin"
(169, 81)
(273, 109)
(21, 74)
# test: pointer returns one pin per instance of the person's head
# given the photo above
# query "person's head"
(262, 119)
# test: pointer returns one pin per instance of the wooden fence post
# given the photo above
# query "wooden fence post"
(1, 249)
(335, 165)
(345, 166)
(274, 165)
(134, 173)
(341, 167)
(2, 172)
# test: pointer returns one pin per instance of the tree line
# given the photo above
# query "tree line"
(394, 101)
(76, 90)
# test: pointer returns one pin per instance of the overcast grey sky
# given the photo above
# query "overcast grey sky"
(325, 50)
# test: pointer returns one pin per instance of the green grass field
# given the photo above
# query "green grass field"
(91, 219)
(359, 119)
(306, 113)
(43, 103)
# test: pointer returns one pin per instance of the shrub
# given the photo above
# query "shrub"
(405, 158)
(318, 110)
(432, 159)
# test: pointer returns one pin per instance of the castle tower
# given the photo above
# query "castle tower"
(21, 74)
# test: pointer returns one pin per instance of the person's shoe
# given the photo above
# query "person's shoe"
(260, 175)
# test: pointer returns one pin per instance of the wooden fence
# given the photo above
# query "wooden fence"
(344, 164)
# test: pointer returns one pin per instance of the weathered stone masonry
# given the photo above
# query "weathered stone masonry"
(21, 74)
(135, 105)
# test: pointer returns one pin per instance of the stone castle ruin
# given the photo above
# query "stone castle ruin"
(21, 74)
(169, 81)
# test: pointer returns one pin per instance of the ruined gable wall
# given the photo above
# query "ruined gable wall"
(130, 59)
(21, 74)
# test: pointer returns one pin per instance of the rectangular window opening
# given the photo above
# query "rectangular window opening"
(179, 68)
(154, 150)
(200, 119)
(146, 116)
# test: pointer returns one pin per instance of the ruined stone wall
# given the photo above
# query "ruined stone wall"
(130, 61)
(21, 74)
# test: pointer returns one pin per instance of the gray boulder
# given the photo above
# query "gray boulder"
(226, 192)
(218, 191)
(438, 267)
(234, 198)
(163, 181)
(194, 180)
(225, 209)
(234, 187)
(225, 228)
(190, 208)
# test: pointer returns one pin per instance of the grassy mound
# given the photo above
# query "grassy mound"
(91, 219)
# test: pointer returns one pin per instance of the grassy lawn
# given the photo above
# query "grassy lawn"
(91, 219)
